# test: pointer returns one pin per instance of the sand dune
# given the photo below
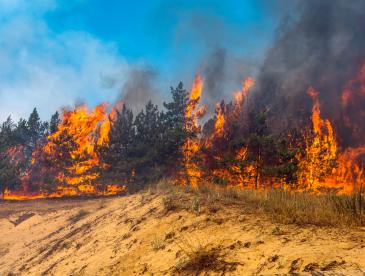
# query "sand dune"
(137, 235)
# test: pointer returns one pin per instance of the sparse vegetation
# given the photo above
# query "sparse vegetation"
(282, 206)
(197, 258)
(158, 244)
(195, 207)
(169, 203)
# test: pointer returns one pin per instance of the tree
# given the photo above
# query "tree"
(148, 144)
(54, 122)
(117, 155)
(8, 174)
(7, 134)
(36, 130)
(270, 154)
(9, 171)
(174, 130)
(51, 166)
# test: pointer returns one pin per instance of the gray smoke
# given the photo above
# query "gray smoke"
(321, 45)
(214, 76)
(140, 88)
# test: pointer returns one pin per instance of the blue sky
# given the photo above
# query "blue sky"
(57, 53)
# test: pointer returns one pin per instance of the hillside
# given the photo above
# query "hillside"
(159, 233)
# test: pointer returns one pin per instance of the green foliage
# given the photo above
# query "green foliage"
(118, 155)
(54, 122)
(147, 148)
(174, 132)
(8, 174)
(9, 171)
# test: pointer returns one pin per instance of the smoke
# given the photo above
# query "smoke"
(139, 88)
(214, 73)
(321, 45)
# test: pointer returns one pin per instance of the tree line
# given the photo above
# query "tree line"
(144, 148)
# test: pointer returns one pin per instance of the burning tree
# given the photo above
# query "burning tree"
(103, 153)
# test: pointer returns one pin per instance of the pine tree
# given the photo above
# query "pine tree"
(54, 122)
(174, 131)
(36, 129)
(8, 174)
(117, 154)
(9, 171)
(148, 144)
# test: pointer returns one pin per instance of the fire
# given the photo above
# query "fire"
(320, 148)
(354, 86)
(239, 96)
(77, 137)
(322, 167)
(71, 152)
(193, 111)
(82, 126)
(236, 172)
(84, 190)
(219, 122)
(192, 145)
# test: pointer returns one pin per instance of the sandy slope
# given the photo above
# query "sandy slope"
(135, 235)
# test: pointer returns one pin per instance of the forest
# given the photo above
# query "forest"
(109, 150)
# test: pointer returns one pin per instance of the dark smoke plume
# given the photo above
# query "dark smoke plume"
(139, 88)
(323, 46)
(214, 76)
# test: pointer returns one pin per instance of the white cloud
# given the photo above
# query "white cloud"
(47, 70)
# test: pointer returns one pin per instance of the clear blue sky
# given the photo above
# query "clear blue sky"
(54, 53)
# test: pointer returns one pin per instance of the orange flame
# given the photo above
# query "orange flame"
(78, 134)
(322, 167)
(192, 146)
(219, 122)
(239, 96)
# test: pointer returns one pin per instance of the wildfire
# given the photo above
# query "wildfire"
(78, 134)
(322, 167)
(82, 126)
(72, 150)
(239, 96)
(192, 146)
(219, 122)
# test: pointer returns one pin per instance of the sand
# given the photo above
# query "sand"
(135, 235)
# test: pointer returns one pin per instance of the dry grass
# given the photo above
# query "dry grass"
(158, 244)
(197, 258)
(282, 206)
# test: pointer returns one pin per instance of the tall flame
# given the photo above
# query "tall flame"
(239, 96)
(192, 146)
(219, 122)
(322, 167)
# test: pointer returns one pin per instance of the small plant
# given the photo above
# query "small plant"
(169, 203)
(277, 231)
(158, 244)
(79, 215)
(196, 206)
(196, 258)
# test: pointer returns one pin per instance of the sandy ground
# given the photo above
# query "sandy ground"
(135, 235)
